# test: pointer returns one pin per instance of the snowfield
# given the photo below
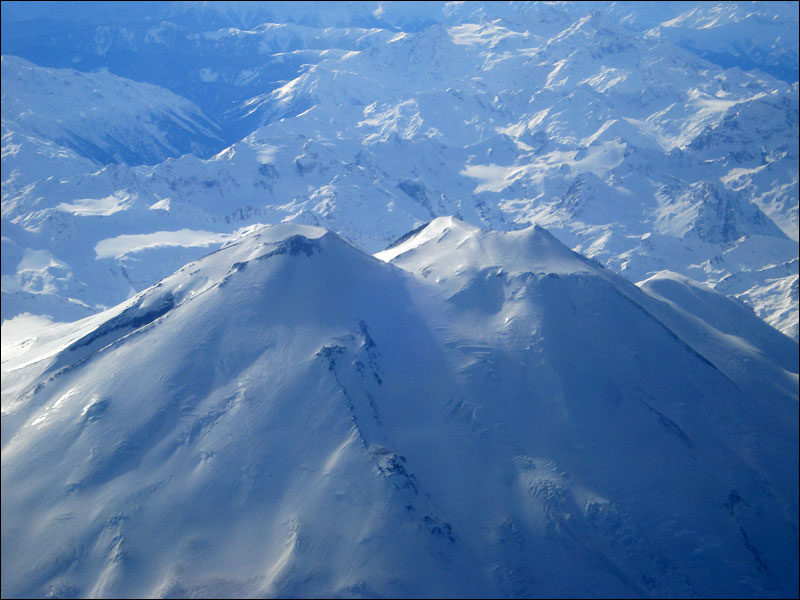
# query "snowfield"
(641, 136)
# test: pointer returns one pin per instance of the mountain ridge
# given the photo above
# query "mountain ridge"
(688, 177)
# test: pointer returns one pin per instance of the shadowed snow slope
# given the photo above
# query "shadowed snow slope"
(500, 416)
(99, 116)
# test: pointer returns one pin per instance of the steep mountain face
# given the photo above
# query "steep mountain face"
(743, 34)
(502, 417)
(469, 265)
(102, 117)
(641, 136)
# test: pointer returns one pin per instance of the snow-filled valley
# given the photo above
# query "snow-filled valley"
(384, 299)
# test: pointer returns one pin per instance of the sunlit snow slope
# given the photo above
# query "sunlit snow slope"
(485, 414)
(647, 136)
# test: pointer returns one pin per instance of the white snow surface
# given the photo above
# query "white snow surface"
(648, 137)
(502, 299)
(501, 417)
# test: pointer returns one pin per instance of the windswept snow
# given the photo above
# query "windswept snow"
(98, 207)
(599, 160)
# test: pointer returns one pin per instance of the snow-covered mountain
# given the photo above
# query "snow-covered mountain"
(501, 417)
(606, 124)
(406, 299)
(744, 34)
(99, 116)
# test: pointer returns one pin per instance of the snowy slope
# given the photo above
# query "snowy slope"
(102, 117)
(474, 266)
(27, 158)
(313, 421)
(746, 34)
(591, 120)
(475, 410)
(721, 321)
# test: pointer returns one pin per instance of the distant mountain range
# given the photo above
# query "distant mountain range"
(608, 124)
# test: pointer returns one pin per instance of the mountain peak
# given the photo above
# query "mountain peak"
(455, 247)
(252, 404)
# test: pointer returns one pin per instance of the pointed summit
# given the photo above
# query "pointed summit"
(447, 246)
(289, 416)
